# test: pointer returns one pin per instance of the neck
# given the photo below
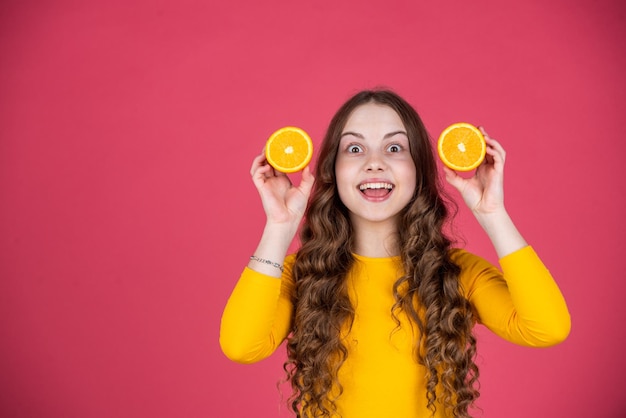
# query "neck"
(376, 239)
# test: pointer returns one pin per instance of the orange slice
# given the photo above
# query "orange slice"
(461, 147)
(289, 149)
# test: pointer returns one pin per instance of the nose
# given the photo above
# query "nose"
(375, 162)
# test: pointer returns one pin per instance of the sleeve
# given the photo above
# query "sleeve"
(257, 316)
(521, 304)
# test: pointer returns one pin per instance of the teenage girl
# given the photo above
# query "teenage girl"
(376, 306)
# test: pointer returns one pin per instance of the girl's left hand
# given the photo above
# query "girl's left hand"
(484, 192)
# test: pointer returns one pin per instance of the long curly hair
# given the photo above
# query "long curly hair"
(429, 292)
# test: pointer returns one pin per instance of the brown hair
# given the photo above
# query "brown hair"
(429, 292)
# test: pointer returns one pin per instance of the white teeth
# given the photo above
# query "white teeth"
(375, 186)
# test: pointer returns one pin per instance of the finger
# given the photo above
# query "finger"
(258, 161)
(496, 151)
(278, 173)
(484, 132)
(261, 174)
(306, 184)
(272, 172)
(488, 158)
(260, 165)
(492, 143)
(453, 178)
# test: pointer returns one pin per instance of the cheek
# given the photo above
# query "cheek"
(410, 174)
(343, 179)
(341, 170)
(340, 178)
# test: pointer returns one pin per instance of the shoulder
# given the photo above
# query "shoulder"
(476, 272)
(521, 258)
(466, 260)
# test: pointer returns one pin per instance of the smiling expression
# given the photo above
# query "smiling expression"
(375, 173)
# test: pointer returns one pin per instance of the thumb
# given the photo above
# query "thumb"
(453, 178)
(306, 184)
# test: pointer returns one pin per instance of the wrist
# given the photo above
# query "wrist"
(492, 217)
(276, 239)
(281, 229)
(502, 232)
(267, 262)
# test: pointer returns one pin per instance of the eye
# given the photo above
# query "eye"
(353, 149)
(394, 148)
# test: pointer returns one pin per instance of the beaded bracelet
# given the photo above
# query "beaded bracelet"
(263, 260)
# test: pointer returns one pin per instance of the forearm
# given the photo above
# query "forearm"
(273, 246)
(257, 316)
(502, 232)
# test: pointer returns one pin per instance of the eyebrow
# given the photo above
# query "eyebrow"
(389, 135)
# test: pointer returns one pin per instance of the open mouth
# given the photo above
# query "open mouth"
(378, 189)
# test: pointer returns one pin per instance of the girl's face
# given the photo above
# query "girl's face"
(374, 168)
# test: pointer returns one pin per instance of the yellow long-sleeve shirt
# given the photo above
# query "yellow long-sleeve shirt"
(381, 377)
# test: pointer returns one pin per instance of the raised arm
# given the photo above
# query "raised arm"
(284, 206)
(484, 195)
(257, 316)
(524, 305)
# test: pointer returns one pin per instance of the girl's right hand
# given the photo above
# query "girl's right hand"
(282, 201)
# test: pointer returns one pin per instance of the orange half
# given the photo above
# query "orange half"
(289, 149)
(462, 147)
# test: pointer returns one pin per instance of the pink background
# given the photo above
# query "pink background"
(126, 210)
